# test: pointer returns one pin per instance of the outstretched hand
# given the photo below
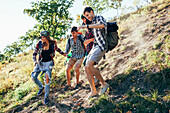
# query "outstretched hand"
(78, 28)
(65, 54)
(81, 27)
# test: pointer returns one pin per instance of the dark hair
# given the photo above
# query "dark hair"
(51, 40)
(87, 9)
(74, 29)
(46, 34)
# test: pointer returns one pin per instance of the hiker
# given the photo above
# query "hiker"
(88, 35)
(97, 52)
(46, 49)
(75, 43)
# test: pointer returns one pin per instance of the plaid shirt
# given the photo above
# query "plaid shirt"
(77, 49)
(99, 34)
(38, 51)
(89, 35)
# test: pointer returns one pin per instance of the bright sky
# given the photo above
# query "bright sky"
(14, 23)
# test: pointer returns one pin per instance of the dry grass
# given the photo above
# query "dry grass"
(15, 75)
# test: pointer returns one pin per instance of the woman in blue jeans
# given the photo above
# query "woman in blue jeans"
(46, 49)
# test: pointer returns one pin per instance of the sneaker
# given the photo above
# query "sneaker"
(104, 89)
(40, 91)
(67, 87)
(96, 81)
(46, 100)
(77, 86)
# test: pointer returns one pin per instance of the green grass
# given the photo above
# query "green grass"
(135, 94)
(16, 84)
(145, 89)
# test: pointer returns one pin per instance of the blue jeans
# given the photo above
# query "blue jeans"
(45, 68)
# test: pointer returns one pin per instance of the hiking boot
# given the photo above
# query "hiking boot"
(67, 87)
(46, 100)
(104, 89)
(77, 86)
(40, 91)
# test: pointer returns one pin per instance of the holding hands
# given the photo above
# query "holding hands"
(65, 54)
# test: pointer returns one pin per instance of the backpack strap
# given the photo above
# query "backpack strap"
(69, 41)
(82, 42)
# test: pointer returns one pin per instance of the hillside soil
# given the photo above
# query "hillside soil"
(139, 35)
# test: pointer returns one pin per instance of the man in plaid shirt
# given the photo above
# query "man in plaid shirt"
(75, 43)
(97, 52)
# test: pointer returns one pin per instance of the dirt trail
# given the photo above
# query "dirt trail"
(138, 38)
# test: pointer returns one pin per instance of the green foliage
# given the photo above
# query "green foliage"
(104, 105)
(12, 50)
(28, 40)
(136, 94)
(2, 57)
(53, 15)
(141, 90)
(100, 6)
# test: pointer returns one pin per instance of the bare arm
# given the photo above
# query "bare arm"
(88, 41)
(97, 26)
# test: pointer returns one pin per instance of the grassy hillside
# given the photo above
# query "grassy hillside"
(138, 71)
(16, 84)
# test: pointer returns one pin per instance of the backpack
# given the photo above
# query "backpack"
(111, 36)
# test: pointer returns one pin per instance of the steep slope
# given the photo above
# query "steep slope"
(137, 70)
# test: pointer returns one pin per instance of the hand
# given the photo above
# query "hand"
(68, 56)
(65, 54)
(78, 28)
(81, 27)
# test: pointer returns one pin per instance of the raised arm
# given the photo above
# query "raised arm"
(86, 42)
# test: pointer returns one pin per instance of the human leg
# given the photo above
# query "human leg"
(94, 57)
(34, 76)
(68, 69)
(69, 66)
(90, 77)
(77, 69)
(47, 80)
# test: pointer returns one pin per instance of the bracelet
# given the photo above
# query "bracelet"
(87, 26)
